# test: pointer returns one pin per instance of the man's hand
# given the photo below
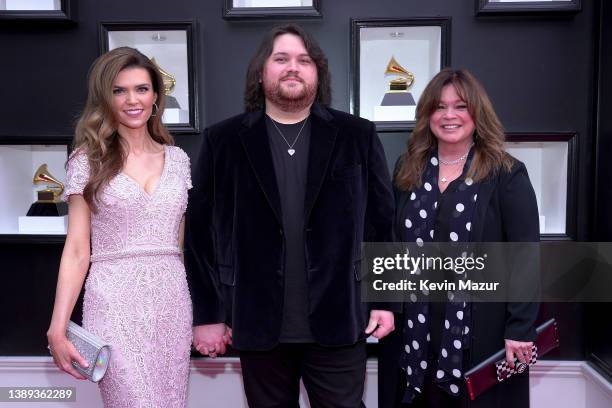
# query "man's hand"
(381, 323)
(210, 339)
(520, 349)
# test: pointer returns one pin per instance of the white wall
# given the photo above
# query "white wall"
(217, 383)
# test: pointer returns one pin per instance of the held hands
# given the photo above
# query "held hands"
(381, 323)
(64, 354)
(520, 349)
(211, 339)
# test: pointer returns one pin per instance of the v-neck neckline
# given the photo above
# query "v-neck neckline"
(161, 177)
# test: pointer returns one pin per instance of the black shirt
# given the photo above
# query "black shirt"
(291, 172)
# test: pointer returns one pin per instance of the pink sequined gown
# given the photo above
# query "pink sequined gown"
(136, 294)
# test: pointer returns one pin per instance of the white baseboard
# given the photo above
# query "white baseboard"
(568, 384)
(218, 383)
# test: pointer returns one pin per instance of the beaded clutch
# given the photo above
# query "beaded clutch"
(92, 348)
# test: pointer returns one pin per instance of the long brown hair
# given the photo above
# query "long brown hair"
(96, 130)
(254, 98)
(489, 152)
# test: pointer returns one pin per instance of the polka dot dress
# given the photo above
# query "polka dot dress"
(420, 214)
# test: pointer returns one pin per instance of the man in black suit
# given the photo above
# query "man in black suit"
(283, 196)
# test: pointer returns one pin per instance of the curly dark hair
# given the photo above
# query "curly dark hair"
(254, 98)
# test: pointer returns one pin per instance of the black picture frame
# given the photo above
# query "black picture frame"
(66, 13)
(189, 27)
(488, 7)
(357, 25)
(230, 12)
(571, 138)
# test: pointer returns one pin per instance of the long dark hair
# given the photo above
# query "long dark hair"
(254, 98)
(96, 130)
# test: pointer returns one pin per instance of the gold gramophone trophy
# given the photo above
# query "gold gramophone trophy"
(49, 203)
(398, 94)
(398, 103)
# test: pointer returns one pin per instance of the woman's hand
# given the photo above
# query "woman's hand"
(64, 354)
(521, 349)
(211, 339)
(73, 268)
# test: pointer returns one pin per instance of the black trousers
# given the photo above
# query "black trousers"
(333, 376)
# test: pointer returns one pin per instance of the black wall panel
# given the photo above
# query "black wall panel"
(599, 334)
(539, 71)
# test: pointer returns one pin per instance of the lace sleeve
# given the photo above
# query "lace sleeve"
(184, 167)
(77, 174)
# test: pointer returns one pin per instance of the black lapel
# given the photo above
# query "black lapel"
(485, 193)
(322, 139)
(254, 136)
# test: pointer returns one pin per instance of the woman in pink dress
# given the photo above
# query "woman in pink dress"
(127, 191)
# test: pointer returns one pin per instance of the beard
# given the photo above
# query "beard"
(293, 99)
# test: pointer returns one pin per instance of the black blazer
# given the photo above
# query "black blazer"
(234, 251)
(506, 211)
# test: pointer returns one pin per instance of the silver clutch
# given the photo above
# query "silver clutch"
(92, 348)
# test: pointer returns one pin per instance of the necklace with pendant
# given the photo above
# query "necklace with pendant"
(453, 162)
(444, 179)
(290, 150)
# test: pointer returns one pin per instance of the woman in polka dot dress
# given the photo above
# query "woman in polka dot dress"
(455, 183)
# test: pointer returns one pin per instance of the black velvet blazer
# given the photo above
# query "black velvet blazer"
(234, 251)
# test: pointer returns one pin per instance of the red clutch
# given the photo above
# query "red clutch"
(495, 369)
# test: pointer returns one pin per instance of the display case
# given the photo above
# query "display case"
(271, 9)
(41, 10)
(527, 7)
(171, 47)
(392, 62)
(551, 161)
(31, 179)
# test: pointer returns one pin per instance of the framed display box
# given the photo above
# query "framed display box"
(43, 10)
(25, 170)
(271, 9)
(484, 7)
(392, 61)
(172, 47)
(551, 161)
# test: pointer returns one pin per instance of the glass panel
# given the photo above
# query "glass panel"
(416, 50)
(169, 49)
(17, 167)
(272, 3)
(31, 5)
(523, 1)
(547, 167)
